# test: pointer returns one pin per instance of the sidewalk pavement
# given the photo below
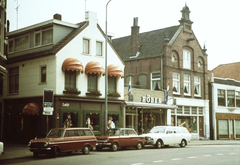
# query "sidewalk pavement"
(15, 150)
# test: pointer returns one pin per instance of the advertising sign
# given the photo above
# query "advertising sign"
(48, 102)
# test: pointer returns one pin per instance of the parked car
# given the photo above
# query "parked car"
(121, 137)
(160, 136)
(63, 140)
(1, 148)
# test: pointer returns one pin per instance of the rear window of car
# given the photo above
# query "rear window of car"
(131, 132)
(88, 132)
(184, 130)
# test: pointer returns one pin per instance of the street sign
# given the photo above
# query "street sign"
(48, 102)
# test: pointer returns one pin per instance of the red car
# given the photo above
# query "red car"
(64, 140)
(122, 137)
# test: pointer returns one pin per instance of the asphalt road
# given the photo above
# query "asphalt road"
(197, 155)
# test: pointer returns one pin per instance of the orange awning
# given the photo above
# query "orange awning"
(114, 70)
(31, 109)
(94, 68)
(72, 64)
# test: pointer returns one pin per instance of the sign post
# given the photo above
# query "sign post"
(48, 103)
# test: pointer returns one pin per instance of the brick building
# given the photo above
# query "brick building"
(170, 56)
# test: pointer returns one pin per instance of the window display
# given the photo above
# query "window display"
(190, 122)
(223, 127)
(92, 121)
(113, 121)
(70, 119)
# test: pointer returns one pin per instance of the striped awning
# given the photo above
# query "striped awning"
(94, 68)
(31, 109)
(115, 70)
(72, 64)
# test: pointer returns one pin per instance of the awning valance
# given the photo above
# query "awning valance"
(150, 105)
(31, 109)
(94, 68)
(115, 70)
(72, 64)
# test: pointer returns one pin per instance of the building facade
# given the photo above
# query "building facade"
(67, 59)
(3, 43)
(224, 94)
(170, 58)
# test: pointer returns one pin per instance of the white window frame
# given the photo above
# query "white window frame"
(197, 82)
(155, 79)
(83, 46)
(176, 80)
(187, 82)
(99, 52)
(186, 59)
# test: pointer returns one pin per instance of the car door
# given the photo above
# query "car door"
(177, 135)
(169, 137)
(124, 139)
(70, 141)
(134, 138)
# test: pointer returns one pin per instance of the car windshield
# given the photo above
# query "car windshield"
(158, 130)
(55, 133)
(113, 132)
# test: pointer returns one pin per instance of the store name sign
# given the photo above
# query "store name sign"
(65, 104)
(148, 99)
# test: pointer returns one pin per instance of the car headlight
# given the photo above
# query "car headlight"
(45, 144)
(29, 144)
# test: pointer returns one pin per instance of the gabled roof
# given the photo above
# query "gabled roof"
(230, 71)
(151, 43)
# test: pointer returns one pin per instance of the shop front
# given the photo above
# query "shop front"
(89, 112)
(143, 116)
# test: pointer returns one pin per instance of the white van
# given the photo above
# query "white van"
(160, 136)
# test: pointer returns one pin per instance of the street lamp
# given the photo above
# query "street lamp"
(106, 74)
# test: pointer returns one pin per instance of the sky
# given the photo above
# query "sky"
(216, 22)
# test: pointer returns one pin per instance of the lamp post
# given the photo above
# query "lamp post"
(106, 74)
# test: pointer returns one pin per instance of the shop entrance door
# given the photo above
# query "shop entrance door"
(200, 126)
(130, 121)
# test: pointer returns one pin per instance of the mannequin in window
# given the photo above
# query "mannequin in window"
(89, 123)
(111, 124)
(68, 122)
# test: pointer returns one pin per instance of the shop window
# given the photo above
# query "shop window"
(186, 85)
(237, 99)
(43, 74)
(223, 127)
(92, 82)
(190, 122)
(13, 80)
(112, 84)
(93, 121)
(194, 110)
(176, 83)
(186, 59)
(179, 110)
(221, 97)
(86, 46)
(142, 79)
(70, 80)
(155, 81)
(99, 48)
(237, 125)
(200, 111)
(197, 86)
(70, 119)
(186, 110)
(231, 98)
(113, 121)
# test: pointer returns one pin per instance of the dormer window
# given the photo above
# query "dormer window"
(43, 36)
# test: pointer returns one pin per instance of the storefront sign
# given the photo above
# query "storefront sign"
(65, 104)
(148, 99)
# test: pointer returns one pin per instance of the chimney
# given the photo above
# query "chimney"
(134, 37)
(58, 17)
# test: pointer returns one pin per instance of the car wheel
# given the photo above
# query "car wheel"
(139, 146)
(85, 150)
(183, 143)
(99, 148)
(158, 144)
(54, 152)
(35, 154)
(114, 147)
